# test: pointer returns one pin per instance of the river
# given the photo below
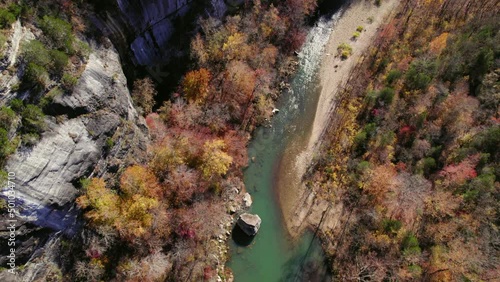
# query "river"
(272, 255)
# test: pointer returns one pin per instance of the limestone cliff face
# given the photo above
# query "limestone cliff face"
(152, 24)
(147, 26)
(98, 110)
(69, 150)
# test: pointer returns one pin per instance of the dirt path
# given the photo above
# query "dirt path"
(299, 205)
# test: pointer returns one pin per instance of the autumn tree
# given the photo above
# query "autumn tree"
(457, 174)
(144, 93)
(380, 181)
(236, 147)
(236, 47)
(215, 161)
(130, 212)
(103, 203)
(138, 179)
(166, 156)
(239, 85)
(183, 182)
(196, 85)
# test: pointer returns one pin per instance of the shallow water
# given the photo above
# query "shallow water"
(271, 255)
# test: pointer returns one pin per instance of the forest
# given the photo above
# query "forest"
(157, 219)
(411, 152)
(418, 127)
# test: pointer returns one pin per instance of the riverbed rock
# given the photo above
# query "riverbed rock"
(247, 200)
(249, 223)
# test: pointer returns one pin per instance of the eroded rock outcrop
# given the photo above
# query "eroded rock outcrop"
(147, 27)
(71, 149)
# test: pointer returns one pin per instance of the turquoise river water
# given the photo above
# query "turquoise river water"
(272, 255)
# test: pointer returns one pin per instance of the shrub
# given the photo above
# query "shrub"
(361, 140)
(6, 18)
(426, 166)
(386, 138)
(355, 35)
(33, 119)
(68, 81)
(35, 52)
(415, 271)
(109, 144)
(488, 141)
(391, 226)
(4, 143)
(3, 40)
(59, 61)
(30, 139)
(363, 166)
(59, 32)
(344, 50)
(17, 105)
(359, 29)
(37, 75)
(387, 95)
(7, 117)
(15, 9)
(420, 74)
(82, 48)
(393, 76)
(410, 245)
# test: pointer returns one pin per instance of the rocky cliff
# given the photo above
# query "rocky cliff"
(147, 27)
(97, 130)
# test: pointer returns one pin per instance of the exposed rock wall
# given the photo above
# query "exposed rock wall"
(8, 75)
(147, 26)
(70, 149)
(152, 24)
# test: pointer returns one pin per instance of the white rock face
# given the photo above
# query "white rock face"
(44, 175)
(68, 151)
(19, 35)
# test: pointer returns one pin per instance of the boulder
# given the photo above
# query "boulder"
(249, 223)
(247, 200)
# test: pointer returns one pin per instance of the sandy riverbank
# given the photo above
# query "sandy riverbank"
(299, 206)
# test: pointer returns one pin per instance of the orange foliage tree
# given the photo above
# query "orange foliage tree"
(196, 85)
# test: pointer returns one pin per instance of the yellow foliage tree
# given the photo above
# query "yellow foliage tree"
(235, 47)
(135, 216)
(165, 158)
(438, 44)
(103, 202)
(214, 160)
(130, 214)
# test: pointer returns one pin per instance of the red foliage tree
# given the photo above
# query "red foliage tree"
(458, 174)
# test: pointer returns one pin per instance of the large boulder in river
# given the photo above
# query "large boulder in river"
(249, 223)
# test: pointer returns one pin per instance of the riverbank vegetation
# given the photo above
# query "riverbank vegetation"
(163, 218)
(412, 152)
